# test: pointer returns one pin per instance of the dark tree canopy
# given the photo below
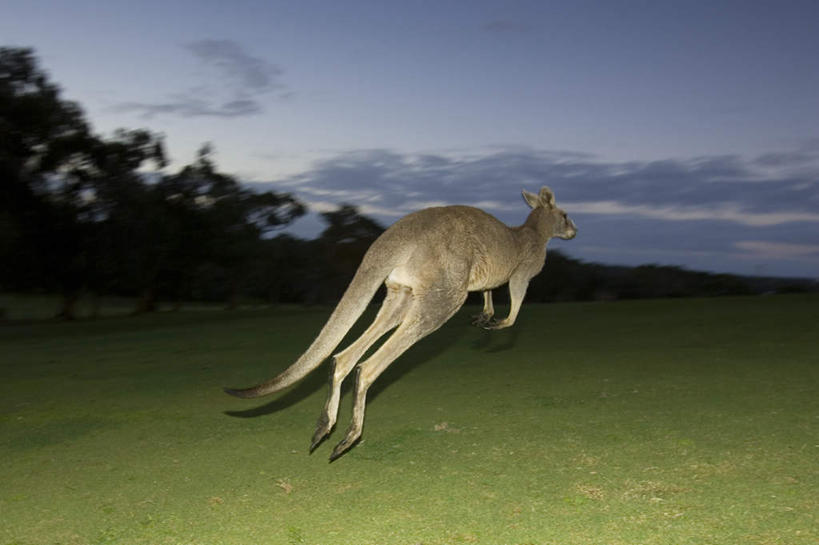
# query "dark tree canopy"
(78, 212)
(42, 139)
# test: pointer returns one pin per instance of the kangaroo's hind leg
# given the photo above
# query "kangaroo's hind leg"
(427, 312)
(392, 310)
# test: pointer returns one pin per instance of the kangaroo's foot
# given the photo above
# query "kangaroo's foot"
(353, 435)
(323, 429)
(481, 319)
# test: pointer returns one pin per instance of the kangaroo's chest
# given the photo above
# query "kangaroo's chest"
(489, 273)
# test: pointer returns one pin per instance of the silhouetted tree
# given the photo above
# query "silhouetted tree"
(42, 141)
(223, 222)
(284, 270)
(343, 244)
(63, 189)
(132, 225)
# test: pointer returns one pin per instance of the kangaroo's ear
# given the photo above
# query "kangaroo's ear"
(546, 196)
(531, 199)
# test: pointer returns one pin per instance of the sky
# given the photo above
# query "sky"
(682, 133)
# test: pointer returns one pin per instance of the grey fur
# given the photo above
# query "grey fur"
(429, 261)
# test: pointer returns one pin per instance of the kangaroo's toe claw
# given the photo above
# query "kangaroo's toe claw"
(323, 429)
(340, 449)
(318, 437)
(344, 446)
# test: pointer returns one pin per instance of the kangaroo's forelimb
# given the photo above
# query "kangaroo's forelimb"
(488, 311)
(518, 284)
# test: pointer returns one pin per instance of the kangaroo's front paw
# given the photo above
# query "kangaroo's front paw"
(481, 319)
(494, 324)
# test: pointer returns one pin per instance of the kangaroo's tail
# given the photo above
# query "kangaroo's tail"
(361, 290)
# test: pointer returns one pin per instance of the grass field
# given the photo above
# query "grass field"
(653, 422)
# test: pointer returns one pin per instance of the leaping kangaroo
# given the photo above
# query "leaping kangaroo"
(429, 261)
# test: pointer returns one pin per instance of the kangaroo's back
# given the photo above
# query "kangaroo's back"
(447, 236)
(448, 224)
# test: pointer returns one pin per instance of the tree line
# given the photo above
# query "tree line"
(82, 214)
(79, 214)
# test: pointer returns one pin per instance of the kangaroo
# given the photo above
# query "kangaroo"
(429, 261)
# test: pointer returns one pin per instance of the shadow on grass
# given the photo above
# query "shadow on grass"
(303, 389)
(425, 350)
(440, 341)
(500, 340)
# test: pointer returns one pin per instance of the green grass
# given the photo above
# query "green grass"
(679, 422)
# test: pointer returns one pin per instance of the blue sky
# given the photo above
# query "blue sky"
(679, 132)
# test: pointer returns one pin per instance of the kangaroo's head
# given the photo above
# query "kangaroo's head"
(554, 221)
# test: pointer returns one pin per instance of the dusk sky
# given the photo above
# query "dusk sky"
(682, 133)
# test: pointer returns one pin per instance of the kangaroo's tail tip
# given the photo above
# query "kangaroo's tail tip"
(245, 393)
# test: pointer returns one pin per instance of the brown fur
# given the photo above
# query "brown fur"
(429, 261)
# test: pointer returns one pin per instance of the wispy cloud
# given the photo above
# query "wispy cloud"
(190, 106)
(697, 208)
(242, 70)
(723, 188)
(777, 250)
(236, 86)
(719, 212)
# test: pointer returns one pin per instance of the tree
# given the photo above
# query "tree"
(221, 222)
(42, 137)
(62, 187)
(129, 224)
(344, 242)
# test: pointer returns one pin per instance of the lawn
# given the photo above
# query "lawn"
(648, 422)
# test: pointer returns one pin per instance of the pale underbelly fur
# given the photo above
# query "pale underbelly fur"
(479, 278)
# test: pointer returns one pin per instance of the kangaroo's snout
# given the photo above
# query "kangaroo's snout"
(571, 232)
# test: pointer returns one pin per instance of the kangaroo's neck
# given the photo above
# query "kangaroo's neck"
(538, 227)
